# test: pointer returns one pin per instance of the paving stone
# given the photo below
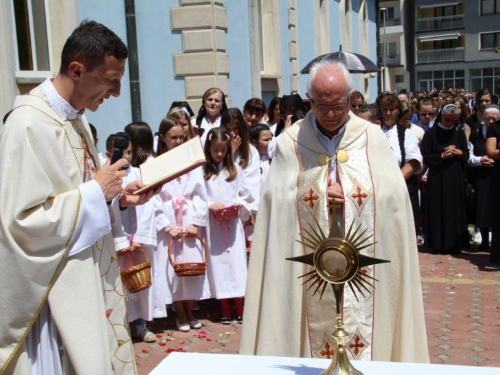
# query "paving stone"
(478, 359)
(154, 346)
(444, 347)
(476, 332)
(446, 316)
(187, 347)
(224, 341)
(445, 338)
(143, 355)
(478, 349)
(443, 356)
(476, 340)
(476, 324)
(476, 317)
(215, 350)
(445, 322)
(444, 329)
(194, 339)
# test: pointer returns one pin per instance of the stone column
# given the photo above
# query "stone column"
(203, 62)
(294, 48)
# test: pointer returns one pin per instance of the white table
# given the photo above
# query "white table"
(233, 364)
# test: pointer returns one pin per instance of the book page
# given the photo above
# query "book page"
(173, 162)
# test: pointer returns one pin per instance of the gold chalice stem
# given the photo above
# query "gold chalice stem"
(340, 363)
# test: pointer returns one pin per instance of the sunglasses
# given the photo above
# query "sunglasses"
(356, 105)
(426, 113)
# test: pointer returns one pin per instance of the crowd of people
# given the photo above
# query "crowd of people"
(439, 141)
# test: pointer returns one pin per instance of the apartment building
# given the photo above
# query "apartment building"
(455, 44)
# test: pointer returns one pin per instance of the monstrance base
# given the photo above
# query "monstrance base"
(340, 364)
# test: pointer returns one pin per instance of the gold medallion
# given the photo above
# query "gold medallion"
(342, 156)
(323, 159)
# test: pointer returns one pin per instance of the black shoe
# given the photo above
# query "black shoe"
(226, 320)
(238, 319)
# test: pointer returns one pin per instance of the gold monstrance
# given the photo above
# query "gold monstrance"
(336, 260)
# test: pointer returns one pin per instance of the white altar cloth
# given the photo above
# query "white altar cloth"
(233, 364)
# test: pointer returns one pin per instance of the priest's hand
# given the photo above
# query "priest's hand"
(191, 231)
(109, 178)
(127, 197)
(335, 193)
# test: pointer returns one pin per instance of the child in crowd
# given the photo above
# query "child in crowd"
(260, 137)
(226, 185)
(140, 223)
(185, 206)
(181, 115)
(371, 113)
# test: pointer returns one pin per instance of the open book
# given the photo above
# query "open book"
(172, 164)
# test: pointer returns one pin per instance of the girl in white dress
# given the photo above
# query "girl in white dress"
(135, 221)
(260, 137)
(185, 206)
(214, 104)
(226, 185)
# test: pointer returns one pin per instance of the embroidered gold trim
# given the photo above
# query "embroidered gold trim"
(51, 284)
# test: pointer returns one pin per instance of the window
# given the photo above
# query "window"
(389, 15)
(400, 78)
(490, 40)
(490, 7)
(392, 48)
(448, 10)
(485, 77)
(31, 42)
(439, 79)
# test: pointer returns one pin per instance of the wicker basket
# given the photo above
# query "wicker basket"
(189, 269)
(138, 277)
(226, 213)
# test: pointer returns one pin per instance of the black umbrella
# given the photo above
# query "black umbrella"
(355, 63)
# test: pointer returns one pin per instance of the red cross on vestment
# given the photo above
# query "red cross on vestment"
(357, 345)
(359, 195)
(311, 198)
(327, 352)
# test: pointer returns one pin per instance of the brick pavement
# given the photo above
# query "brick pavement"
(462, 311)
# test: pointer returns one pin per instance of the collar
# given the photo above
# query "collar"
(58, 104)
(444, 128)
(318, 132)
(264, 157)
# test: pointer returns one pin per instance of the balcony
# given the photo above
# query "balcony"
(389, 23)
(440, 23)
(440, 55)
(390, 60)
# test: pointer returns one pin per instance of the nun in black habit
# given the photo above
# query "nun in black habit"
(445, 152)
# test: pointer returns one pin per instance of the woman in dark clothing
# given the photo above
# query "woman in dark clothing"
(493, 151)
(483, 99)
(480, 168)
(445, 152)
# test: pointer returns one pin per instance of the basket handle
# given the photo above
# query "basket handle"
(198, 238)
(133, 250)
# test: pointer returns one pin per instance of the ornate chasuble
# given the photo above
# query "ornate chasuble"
(84, 291)
(355, 177)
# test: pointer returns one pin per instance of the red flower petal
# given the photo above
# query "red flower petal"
(162, 344)
(209, 339)
(223, 345)
(144, 351)
(182, 342)
(182, 350)
(158, 336)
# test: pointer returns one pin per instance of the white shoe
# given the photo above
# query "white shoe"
(472, 231)
(420, 240)
(144, 334)
(195, 324)
(490, 238)
(477, 239)
(183, 327)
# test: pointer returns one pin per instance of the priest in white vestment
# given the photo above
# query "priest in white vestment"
(63, 309)
(333, 155)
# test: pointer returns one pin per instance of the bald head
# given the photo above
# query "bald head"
(329, 74)
(329, 89)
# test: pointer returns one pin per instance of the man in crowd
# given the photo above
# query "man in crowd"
(63, 308)
(333, 155)
(425, 113)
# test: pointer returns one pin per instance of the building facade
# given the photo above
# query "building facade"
(248, 48)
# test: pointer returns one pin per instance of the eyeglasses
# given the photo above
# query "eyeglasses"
(335, 108)
(356, 105)
(426, 114)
